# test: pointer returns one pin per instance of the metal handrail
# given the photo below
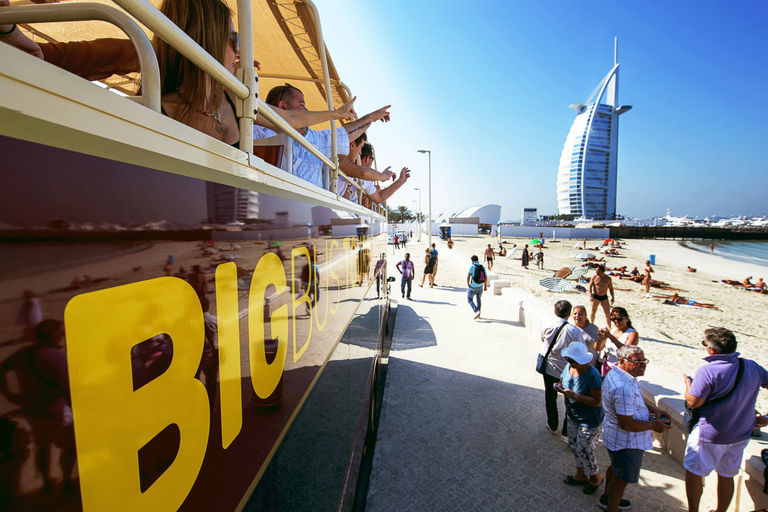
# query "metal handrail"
(150, 71)
(153, 19)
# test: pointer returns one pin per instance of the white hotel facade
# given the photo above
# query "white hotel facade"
(586, 177)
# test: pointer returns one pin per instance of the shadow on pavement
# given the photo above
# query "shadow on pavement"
(456, 441)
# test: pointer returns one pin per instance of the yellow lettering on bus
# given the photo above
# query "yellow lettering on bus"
(265, 377)
(228, 318)
(347, 260)
(112, 421)
(316, 284)
(298, 300)
(334, 276)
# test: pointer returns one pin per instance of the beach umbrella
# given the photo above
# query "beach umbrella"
(583, 255)
(534, 242)
(577, 246)
(276, 244)
(577, 272)
(555, 284)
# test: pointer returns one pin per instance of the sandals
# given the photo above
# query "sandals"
(569, 480)
(591, 489)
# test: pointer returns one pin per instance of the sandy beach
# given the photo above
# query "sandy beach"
(670, 335)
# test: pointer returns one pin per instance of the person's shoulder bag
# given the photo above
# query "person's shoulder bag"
(693, 414)
(541, 362)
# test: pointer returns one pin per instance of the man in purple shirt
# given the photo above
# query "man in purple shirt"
(718, 440)
(405, 267)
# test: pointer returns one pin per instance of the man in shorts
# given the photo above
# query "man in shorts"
(628, 424)
(723, 431)
(599, 286)
(488, 256)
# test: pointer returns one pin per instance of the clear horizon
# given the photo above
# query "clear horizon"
(487, 91)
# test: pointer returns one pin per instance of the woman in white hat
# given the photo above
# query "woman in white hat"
(581, 385)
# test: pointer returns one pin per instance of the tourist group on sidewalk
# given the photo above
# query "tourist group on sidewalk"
(596, 371)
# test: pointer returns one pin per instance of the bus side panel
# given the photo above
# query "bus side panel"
(166, 334)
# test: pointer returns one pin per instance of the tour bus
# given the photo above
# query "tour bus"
(185, 324)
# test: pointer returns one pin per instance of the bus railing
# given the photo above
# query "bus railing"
(150, 71)
(244, 86)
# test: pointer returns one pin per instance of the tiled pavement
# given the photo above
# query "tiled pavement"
(463, 422)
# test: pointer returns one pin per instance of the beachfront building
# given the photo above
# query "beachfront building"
(586, 177)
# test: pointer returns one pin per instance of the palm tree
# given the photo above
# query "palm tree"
(404, 213)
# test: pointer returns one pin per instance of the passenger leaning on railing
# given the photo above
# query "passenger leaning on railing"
(354, 170)
(305, 165)
(189, 94)
(371, 192)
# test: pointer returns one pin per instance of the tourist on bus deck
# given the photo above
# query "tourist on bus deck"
(305, 165)
(185, 97)
(372, 193)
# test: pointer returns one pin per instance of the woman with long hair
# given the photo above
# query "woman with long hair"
(612, 340)
(191, 96)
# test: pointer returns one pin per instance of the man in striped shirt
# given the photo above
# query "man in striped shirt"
(628, 424)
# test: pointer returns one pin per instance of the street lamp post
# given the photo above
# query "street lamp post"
(418, 215)
(429, 220)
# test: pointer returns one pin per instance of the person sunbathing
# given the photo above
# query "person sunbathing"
(691, 269)
(689, 302)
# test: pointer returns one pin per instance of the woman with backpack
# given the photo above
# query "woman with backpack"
(429, 261)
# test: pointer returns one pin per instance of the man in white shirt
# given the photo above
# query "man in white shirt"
(566, 334)
(628, 425)
(305, 165)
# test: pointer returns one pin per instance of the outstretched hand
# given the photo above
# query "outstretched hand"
(380, 114)
(347, 112)
(389, 174)
(405, 174)
(17, 37)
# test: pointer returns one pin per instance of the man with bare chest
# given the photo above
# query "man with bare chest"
(489, 254)
(599, 286)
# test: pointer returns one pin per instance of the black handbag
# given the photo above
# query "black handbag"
(541, 362)
(693, 414)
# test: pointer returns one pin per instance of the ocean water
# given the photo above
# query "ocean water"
(749, 252)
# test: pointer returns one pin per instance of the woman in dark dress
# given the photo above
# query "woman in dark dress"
(525, 257)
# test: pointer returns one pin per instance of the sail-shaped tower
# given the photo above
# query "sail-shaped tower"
(586, 177)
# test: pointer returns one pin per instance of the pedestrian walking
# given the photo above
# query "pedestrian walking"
(477, 283)
(405, 267)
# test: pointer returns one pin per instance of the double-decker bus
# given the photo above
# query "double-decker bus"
(185, 325)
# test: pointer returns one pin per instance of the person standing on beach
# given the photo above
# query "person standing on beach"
(525, 256)
(477, 283)
(647, 277)
(405, 268)
(488, 256)
(718, 440)
(711, 248)
(599, 286)
(540, 259)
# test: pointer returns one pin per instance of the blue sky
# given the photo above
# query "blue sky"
(486, 87)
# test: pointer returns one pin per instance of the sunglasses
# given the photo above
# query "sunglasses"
(234, 41)
(638, 361)
(618, 318)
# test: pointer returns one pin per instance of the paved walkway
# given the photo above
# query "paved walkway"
(463, 423)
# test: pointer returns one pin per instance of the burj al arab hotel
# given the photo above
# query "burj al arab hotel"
(586, 177)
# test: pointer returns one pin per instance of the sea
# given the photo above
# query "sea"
(755, 252)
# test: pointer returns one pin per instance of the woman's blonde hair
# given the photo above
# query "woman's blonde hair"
(207, 23)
